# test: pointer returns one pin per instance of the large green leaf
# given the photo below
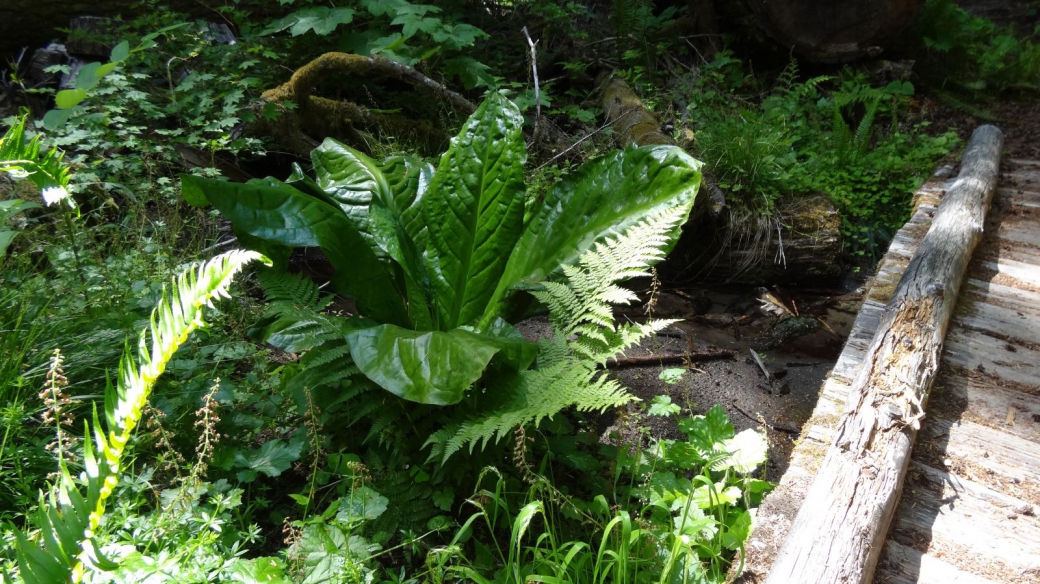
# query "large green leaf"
(280, 214)
(514, 349)
(351, 179)
(474, 211)
(427, 367)
(389, 235)
(409, 177)
(604, 197)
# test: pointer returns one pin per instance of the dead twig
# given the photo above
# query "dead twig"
(537, 96)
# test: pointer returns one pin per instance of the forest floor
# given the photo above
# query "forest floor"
(730, 318)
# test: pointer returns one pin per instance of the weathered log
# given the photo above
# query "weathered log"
(799, 245)
(838, 533)
(834, 32)
(633, 123)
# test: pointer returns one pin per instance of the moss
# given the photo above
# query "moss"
(631, 121)
(316, 118)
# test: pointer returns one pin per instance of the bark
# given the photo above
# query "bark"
(838, 535)
(834, 32)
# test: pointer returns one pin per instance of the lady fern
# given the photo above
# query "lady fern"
(70, 514)
(567, 374)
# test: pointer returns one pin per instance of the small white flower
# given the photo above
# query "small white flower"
(54, 195)
(747, 450)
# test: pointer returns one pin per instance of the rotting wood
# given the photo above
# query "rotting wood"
(838, 534)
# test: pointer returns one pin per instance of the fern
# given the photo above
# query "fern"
(861, 141)
(70, 514)
(567, 374)
(631, 17)
(24, 160)
(294, 320)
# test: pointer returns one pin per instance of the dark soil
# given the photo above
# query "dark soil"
(732, 320)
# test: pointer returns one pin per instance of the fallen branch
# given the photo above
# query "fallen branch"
(651, 360)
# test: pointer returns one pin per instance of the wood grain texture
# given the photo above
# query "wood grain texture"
(838, 534)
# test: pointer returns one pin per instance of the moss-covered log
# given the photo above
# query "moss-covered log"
(315, 118)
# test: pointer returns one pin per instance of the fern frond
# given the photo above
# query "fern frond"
(532, 396)
(866, 126)
(566, 374)
(23, 160)
(69, 515)
(292, 288)
(584, 305)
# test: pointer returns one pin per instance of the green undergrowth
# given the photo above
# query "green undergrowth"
(972, 57)
(863, 145)
(377, 417)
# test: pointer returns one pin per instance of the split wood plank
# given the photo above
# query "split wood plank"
(988, 355)
(988, 403)
(905, 565)
(838, 534)
(943, 506)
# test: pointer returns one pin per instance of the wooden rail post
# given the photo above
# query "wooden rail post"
(841, 526)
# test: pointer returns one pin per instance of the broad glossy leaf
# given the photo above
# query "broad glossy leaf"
(305, 184)
(409, 177)
(390, 237)
(474, 211)
(351, 179)
(603, 198)
(281, 214)
(514, 349)
(426, 367)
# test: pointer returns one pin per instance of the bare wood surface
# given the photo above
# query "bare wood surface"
(838, 536)
(780, 506)
(910, 566)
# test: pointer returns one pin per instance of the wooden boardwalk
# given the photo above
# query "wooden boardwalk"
(970, 507)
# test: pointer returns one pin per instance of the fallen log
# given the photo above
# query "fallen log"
(654, 360)
(315, 118)
(799, 245)
(838, 534)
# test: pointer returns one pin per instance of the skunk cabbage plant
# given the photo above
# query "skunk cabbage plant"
(434, 256)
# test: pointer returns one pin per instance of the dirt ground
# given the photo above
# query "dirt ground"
(730, 320)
